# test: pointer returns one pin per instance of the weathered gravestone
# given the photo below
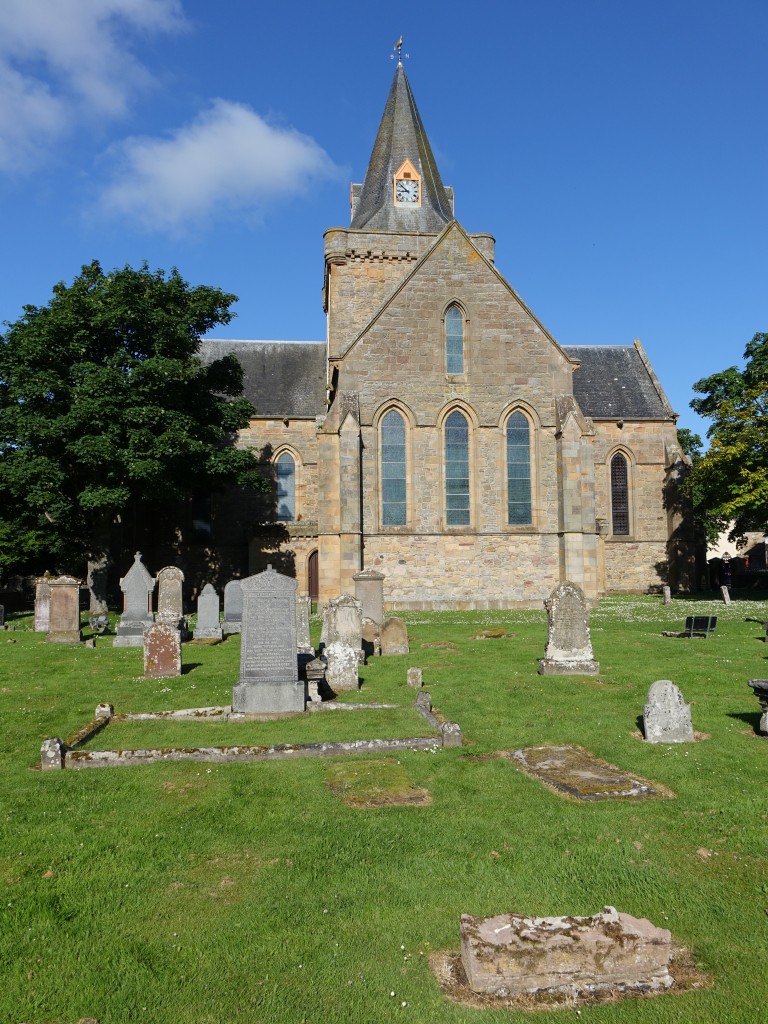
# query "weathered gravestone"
(666, 716)
(137, 586)
(369, 591)
(269, 678)
(303, 605)
(233, 607)
(343, 621)
(64, 621)
(42, 603)
(394, 636)
(725, 594)
(513, 955)
(415, 678)
(342, 665)
(170, 604)
(667, 595)
(371, 639)
(760, 690)
(208, 626)
(162, 651)
(569, 648)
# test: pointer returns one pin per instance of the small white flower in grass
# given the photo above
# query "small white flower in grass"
(403, 1004)
(392, 994)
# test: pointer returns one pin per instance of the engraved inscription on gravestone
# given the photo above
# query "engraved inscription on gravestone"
(569, 648)
(666, 716)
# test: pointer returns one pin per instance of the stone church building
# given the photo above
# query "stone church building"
(440, 434)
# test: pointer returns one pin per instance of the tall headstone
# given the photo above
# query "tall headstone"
(342, 667)
(569, 648)
(725, 594)
(269, 677)
(64, 620)
(137, 586)
(208, 626)
(42, 603)
(233, 607)
(303, 644)
(343, 621)
(667, 595)
(170, 603)
(369, 591)
(666, 716)
(162, 651)
(394, 636)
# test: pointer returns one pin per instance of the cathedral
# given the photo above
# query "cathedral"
(440, 435)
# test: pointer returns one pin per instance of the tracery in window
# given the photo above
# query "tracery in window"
(619, 495)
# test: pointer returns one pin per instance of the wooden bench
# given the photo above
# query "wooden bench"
(700, 625)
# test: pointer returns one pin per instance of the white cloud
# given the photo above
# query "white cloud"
(61, 60)
(229, 158)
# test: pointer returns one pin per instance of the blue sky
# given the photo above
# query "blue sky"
(617, 152)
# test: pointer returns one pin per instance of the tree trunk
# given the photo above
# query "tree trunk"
(98, 568)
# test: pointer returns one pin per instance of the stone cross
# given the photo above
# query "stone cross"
(233, 607)
(666, 716)
(569, 648)
(137, 586)
(269, 676)
(208, 626)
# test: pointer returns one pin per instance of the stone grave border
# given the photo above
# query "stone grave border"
(58, 754)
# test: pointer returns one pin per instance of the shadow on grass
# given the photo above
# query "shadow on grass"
(190, 667)
(640, 725)
(750, 718)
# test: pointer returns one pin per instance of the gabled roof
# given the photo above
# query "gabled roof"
(280, 378)
(617, 382)
(401, 137)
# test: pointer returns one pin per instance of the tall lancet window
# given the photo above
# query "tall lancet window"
(518, 470)
(454, 340)
(456, 470)
(619, 496)
(393, 470)
(285, 476)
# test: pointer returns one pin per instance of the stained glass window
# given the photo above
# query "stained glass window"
(619, 495)
(393, 470)
(454, 340)
(456, 470)
(285, 471)
(518, 470)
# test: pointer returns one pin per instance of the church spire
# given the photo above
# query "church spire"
(402, 190)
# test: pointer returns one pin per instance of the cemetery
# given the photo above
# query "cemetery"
(483, 834)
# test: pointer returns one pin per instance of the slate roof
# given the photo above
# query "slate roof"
(401, 137)
(615, 382)
(281, 378)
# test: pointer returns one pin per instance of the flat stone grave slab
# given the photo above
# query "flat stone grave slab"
(576, 772)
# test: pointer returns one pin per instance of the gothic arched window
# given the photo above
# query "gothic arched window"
(518, 470)
(454, 340)
(619, 495)
(393, 470)
(285, 476)
(456, 470)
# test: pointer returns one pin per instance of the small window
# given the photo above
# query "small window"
(454, 340)
(393, 470)
(456, 470)
(285, 474)
(518, 470)
(619, 495)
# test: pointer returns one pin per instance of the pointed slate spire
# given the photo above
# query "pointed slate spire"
(401, 138)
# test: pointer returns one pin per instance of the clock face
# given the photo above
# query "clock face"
(406, 191)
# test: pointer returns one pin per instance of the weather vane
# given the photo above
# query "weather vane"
(399, 47)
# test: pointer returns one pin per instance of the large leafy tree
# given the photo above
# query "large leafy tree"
(730, 482)
(104, 403)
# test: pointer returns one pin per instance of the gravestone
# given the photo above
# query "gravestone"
(269, 678)
(666, 716)
(170, 604)
(162, 651)
(342, 666)
(303, 606)
(343, 621)
(725, 594)
(667, 595)
(569, 648)
(208, 626)
(394, 636)
(369, 591)
(137, 586)
(233, 607)
(64, 619)
(371, 641)
(415, 677)
(42, 603)
(760, 690)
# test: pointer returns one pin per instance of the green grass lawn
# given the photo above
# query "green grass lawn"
(207, 894)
